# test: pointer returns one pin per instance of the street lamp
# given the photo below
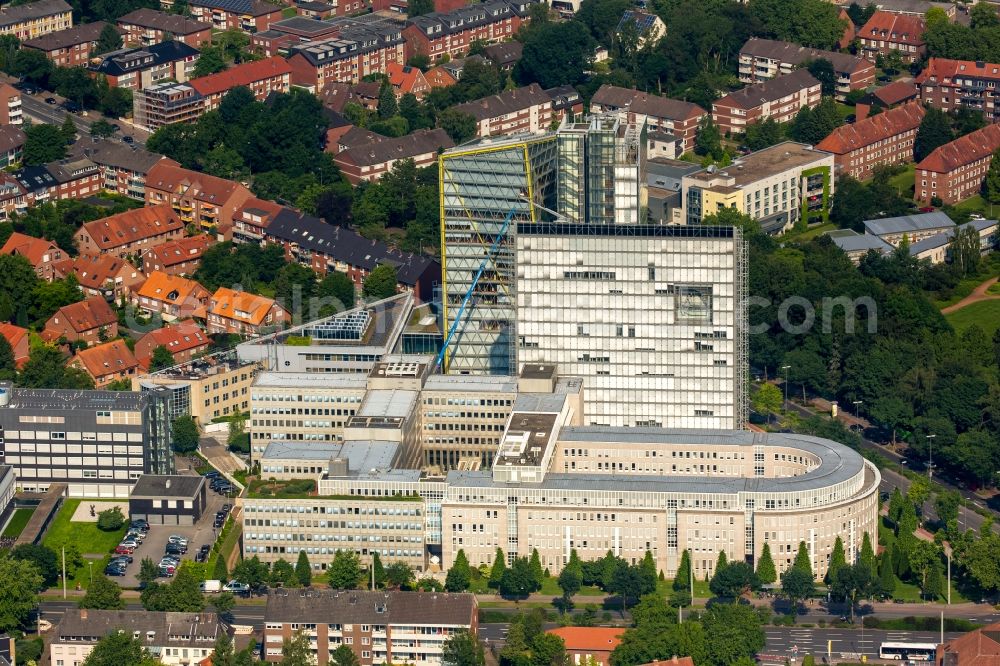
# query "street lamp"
(856, 403)
(786, 368)
(930, 456)
(90, 563)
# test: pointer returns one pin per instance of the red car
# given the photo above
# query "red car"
(927, 209)
(124, 550)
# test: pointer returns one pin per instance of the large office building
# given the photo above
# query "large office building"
(649, 316)
(96, 442)
(484, 185)
(557, 486)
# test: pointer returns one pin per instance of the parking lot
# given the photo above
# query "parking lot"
(155, 543)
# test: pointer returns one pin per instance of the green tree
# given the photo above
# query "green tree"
(459, 575)
(148, 571)
(837, 560)
(419, 7)
(46, 368)
(459, 125)
(303, 570)
(517, 581)
(802, 559)
(8, 364)
(734, 580)
(708, 141)
(344, 573)
(886, 576)
(946, 502)
(387, 105)
(721, 562)
(210, 61)
(822, 69)
(763, 134)
(43, 557)
(934, 586)
(732, 632)
(104, 594)
(223, 653)
(337, 291)
(682, 581)
(380, 283)
(463, 649)
(344, 656)
(185, 434)
(570, 581)
(161, 358)
(547, 650)
(283, 572)
(797, 584)
(111, 520)
(867, 555)
(808, 22)
(108, 40)
(766, 572)
(219, 571)
(537, 573)
(934, 131)
(250, 572)
(399, 575)
(101, 129)
(852, 581)
(296, 651)
(43, 143)
(991, 185)
(19, 585)
(224, 602)
(119, 648)
(498, 568)
(31, 65)
(767, 400)
(555, 54)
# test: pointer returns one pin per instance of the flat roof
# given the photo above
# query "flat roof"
(388, 403)
(167, 485)
(361, 456)
(311, 380)
(478, 383)
(764, 163)
(22, 398)
(538, 370)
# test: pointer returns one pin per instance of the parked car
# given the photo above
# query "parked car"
(114, 570)
(127, 559)
(124, 549)
(225, 488)
(177, 538)
(135, 535)
(226, 508)
(51, 100)
(213, 474)
(128, 139)
(167, 571)
(211, 586)
(237, 587)
(175, 549)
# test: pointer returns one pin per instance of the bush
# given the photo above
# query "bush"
(111, 520)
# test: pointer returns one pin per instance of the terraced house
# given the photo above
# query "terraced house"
(68, 48)
(359, 50)
(778, 99)
(885, 138)
(34, 19)
(130, 232)
(956, 171)
(452, 33)
(196, 198)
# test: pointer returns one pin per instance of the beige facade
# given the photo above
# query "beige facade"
(204, 389)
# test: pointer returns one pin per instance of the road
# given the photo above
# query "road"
(38, 110)
(843, 643)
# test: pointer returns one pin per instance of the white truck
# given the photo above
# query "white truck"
(211, 586)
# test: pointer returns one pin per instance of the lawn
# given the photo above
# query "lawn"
(811, 232)
(85, 538)
(17, 523)
(289, 12)
(974, 204)
(984, 313)
(904, 181)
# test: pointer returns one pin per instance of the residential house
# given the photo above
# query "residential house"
(885, 138)
(953, 84)
(13, 196)
(146, 27)
(526, 109)
(37, 183)
(588, 645)
(262, 77)
(980, 647)
(12, 140)
(106, 363)
(91, 320)
(284, 34)
(407, 80)
(324, 247)
(913, 228)
(566, 101)
(165, 104)
(34, 19)
(504, 54)
(887, 97)
(130, 232)
(369, 162)
(184, 340)
(177, 257)
(70, 47)
(451, 33)
(252, 218)
(239, 312)
(642, 26)
(315, 10)
(956, 171)
(101, 274)
(123, 168)
(40, 253)
(849, 35)
(917, 7)
(17, 338)
(74, 178)
(886, 33)
(146, 66)
(207, 201)
(439, 77)
(660, 114)
(375, 625)
(10, 105)
(247, 16)
(762, 59)
(779, 99)
(359, 50)
(336, 95)
(171, 296)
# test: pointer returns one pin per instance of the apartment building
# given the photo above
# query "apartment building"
(106, 363)
(778, 186)
(70, 47)
(886, 33)
(34, 19)
(184, 340)
(452, 33)
(73, 178)
(100, 274)
(887, 97)
(177, 257)
(779, 99)
(42, 254)
(369, 162)
(952, 84)
(762, 59)
(91, 321)
(10, 105)
(12, 141)
(231, 311)
(660, 114)
(205, 388)
(123, 168)
(526, 109)
(14, 197)
(165, 104)
(379, 627)
(252, 218)
(171, 296)
(885, 138)
(96, 442)
(173, 639)
(247, 16)
(284, 34)
(956, 171)
(143, 67)
(130, 232)
(262, 77)
(359, 50)
(197, 198)
(406, 80)
(146, 27)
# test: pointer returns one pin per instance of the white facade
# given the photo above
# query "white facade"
(650, 317)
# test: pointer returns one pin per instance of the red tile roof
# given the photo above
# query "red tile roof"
(895, 28)
(589, 639)
(439, 77)
(88, 314)
(242, 75)
(29, 247)
(110, 358)
(940, 69)
(976, 648)
(240, 306)
(200, 186)
(93, 271)
(14, 335)
(404, 77)
(133, 225)
(178, 251)
(849, 32)
(170, 289)
(176, 338)
(963, 150)
(895, 92)
(865, 132)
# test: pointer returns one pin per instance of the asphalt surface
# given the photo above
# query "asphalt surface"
(36, 108)
(841, 643)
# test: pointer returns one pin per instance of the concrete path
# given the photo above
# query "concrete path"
(978, 294)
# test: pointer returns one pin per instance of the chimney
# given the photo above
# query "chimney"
(83, 614)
